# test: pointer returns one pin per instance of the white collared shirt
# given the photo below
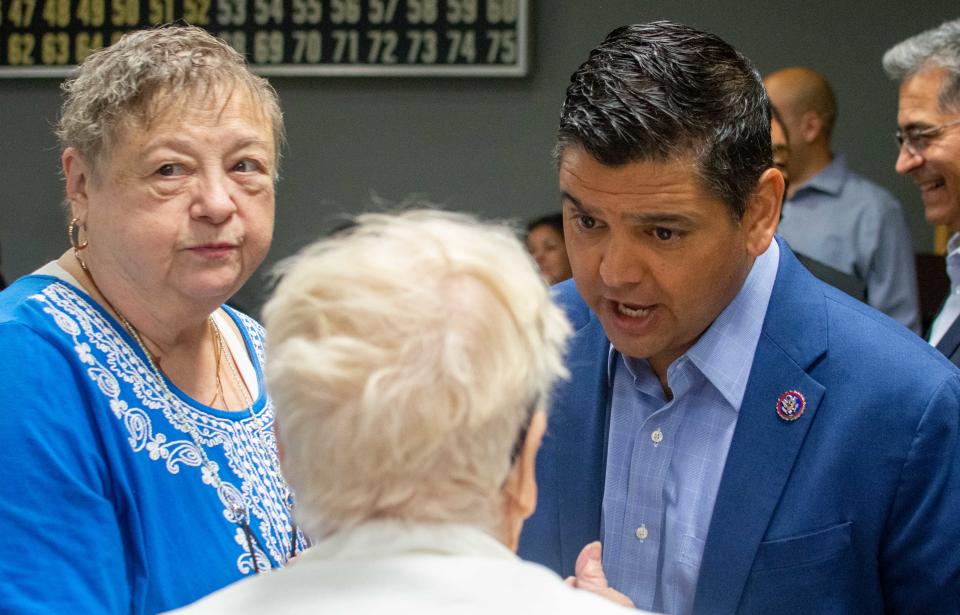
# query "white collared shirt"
(392, 567)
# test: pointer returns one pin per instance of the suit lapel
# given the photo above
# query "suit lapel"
(950, 341)
(580, 428)
(764, 446)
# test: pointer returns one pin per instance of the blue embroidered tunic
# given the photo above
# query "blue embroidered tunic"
(105, 504)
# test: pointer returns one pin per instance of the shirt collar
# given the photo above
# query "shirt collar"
(390, 537)
(724, 353)
(830, 179)
(953, 261)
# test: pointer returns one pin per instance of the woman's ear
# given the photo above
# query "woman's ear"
(521, 486)
(76, 171)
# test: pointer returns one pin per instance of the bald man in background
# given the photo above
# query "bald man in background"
(834, 215)
(781, 160)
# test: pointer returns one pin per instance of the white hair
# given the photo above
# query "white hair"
(935, 48)
(406, 356)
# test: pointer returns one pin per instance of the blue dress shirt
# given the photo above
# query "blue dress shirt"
(851, 224)
(951, 307)
(665, 458)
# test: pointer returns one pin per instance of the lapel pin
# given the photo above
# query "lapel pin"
(790, 405)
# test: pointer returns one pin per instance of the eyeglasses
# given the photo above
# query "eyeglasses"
(918, 139)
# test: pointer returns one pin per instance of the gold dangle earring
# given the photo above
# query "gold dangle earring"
(73, 233)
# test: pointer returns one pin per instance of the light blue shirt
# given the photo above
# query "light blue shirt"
(951, 307)
(846, 221)
(665, 458)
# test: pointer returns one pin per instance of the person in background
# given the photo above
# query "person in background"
(544, 241)
(849, 284)
(780, 142)
(742, 437)
(411, 358)
(928, 135)
(835, 215)
(140, 467)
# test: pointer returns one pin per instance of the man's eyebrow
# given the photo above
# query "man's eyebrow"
(646, 218)
(574, 201)
(578, 206)
(660, 219)
(916, 125)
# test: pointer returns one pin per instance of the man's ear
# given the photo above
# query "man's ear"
(77, 173)
(811, 126)
(762, 215)
(521, 486)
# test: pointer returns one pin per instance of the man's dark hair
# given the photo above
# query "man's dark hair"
(663, 90)
(554, 221)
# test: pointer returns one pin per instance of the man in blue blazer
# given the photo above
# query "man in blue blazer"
(741, 437)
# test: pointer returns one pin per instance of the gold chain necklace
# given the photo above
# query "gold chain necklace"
(239, 512)
(231, 367)
(217, 353)
(248, 401)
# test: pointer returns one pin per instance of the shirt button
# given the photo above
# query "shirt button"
(656, 436)
(642, 532)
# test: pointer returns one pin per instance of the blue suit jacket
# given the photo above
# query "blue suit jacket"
(852, 508)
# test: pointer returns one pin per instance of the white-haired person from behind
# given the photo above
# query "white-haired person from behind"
(410, 360)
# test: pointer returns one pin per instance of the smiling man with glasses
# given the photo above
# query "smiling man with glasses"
(928, 67)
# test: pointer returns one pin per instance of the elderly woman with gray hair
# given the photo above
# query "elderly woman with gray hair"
(410, 360)
(140, 470)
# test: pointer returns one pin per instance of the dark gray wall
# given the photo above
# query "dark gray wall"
(483, 145)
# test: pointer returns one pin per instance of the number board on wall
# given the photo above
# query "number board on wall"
(45, 38)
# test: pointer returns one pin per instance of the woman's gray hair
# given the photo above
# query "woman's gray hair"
(406, 356)
(935, 48)
(148, 73)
